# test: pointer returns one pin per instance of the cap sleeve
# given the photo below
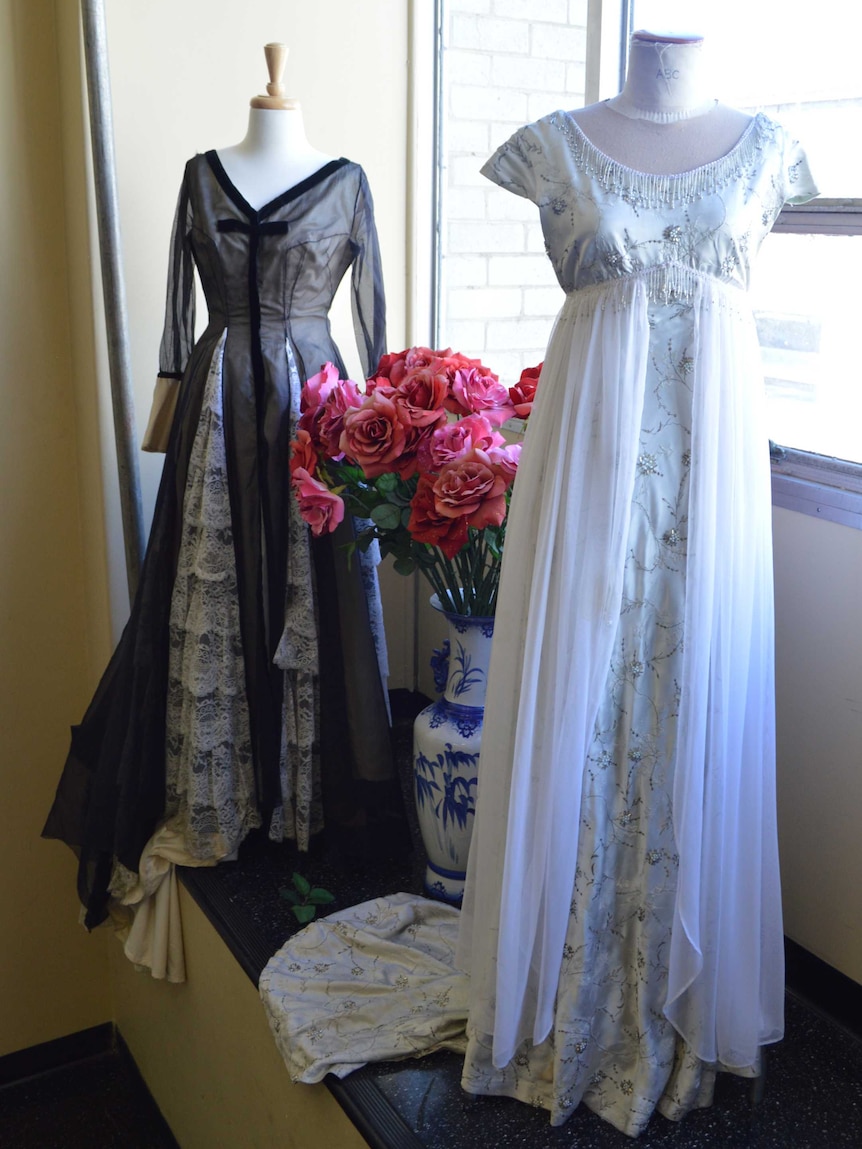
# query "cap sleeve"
(799, 185)
(514, 165)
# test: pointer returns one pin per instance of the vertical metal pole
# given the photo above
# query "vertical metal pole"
(113, 290)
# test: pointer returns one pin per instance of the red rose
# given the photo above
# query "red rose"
(373, 435)
(476, 393)
(416, 440)
(320, 508)
(421, 394)
(388, 363)
(302, 454)
(427, 526)
(471, 488)
(395, 366)
(379, 383)
(523, 394)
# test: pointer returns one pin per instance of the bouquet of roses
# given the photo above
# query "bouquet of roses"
(419, 454)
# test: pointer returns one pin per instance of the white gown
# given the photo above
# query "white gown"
(622, 921)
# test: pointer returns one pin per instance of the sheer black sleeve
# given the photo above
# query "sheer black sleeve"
(369, 305)
(179, 332)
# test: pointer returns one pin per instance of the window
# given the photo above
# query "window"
(805, 74)
(505, 62)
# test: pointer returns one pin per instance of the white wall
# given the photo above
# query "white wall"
(506, 63)
(818, 609)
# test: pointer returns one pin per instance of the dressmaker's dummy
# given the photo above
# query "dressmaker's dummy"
(275, 154)
(665, 120)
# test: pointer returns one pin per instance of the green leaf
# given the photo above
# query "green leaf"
(405, 516)
(404, 566)
(386, 516)
(365, 538)
(302, 884)
(304, 913)
(320, 897)
(387, 483)
(289, 895)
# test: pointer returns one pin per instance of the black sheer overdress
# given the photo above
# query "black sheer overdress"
(269, 277)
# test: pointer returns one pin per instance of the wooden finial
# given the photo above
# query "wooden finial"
(276, 58)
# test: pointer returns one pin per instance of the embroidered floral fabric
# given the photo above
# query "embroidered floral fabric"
(621, 922)
(210, 794)
(375, 982)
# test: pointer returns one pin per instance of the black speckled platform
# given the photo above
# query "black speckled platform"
(813, 1089)
(98, 1102)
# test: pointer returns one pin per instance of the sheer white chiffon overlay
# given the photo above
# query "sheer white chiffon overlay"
(629, 730)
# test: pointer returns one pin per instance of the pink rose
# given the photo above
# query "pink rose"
(452, 441)
(476, 393)
(344, 397)
(505, 460)
(523, 394)
(317, 387)
(373, 435)
(303, 456)
(471, 488)
(314, 394)
(320, 508)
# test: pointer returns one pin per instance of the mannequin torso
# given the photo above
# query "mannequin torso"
(274, 156)
(663, 122)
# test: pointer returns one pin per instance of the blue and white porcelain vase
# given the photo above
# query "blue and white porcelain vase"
(446, 739)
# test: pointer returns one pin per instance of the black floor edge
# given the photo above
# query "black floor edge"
(818, 984)
(48, 1055)
(165, 1132)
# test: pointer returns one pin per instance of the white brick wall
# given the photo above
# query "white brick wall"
(505, 62)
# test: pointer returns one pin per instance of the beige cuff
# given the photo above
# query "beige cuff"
(161, 419)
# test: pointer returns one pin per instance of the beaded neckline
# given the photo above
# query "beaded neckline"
(647, 189)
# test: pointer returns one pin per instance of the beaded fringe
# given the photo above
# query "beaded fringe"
(664, 283)
(643, 189)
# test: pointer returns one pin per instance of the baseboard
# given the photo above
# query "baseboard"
(52, 1054)
(825, 988)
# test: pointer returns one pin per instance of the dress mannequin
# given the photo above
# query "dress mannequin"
(275, 153)
(664, 121)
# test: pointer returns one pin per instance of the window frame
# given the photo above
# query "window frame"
(804, 481)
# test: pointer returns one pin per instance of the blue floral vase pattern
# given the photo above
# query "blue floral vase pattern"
(446, 740)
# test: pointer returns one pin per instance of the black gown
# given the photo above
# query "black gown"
(269, 278)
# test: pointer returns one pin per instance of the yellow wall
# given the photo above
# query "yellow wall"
(207, 1054)
(53, 976)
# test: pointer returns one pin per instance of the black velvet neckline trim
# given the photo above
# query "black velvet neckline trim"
(231, 190)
